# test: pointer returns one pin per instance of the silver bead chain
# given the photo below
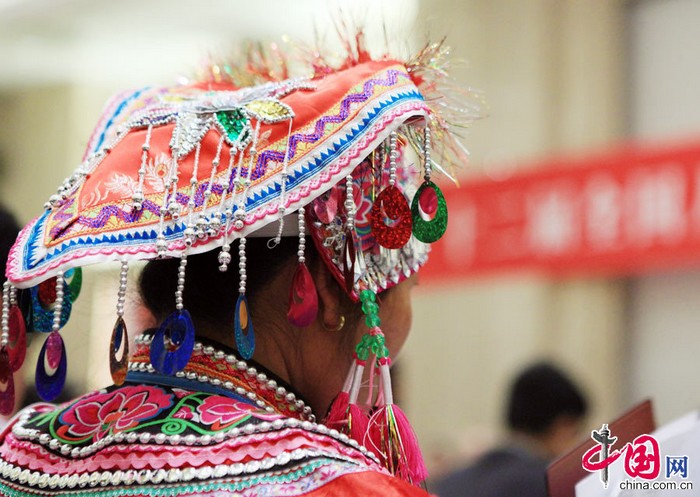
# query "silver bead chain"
(190, 232)
(180, 282)
(138, 197)
(242, 266)
(203, 225)
(281, 207)
(302, 236)
(239, 214)
(427, 165)
(392, 158)
(215, 222)
(58, 305)
(5, 324)
(349, 204)
(174, 208)
(161, 243)
(121, 295)
(241, 365)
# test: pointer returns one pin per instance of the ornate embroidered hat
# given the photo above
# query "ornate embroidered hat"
(247, 151)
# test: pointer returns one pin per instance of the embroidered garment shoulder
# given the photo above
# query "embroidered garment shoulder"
(220, 428)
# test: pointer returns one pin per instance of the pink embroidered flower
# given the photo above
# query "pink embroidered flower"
(116, 411)
(222, 411)
(184, 413)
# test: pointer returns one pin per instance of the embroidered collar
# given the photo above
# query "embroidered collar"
(215, 368)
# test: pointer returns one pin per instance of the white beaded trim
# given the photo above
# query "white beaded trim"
(22, 433)
(147, 476)
(241, 365)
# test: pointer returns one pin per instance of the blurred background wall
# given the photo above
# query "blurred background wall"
(561, 78)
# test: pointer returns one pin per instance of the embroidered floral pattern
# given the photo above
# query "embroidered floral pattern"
(220, 412)
(152, 409)
(108, 413)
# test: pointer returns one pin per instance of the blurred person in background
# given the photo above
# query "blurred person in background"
(8, 234)
(544, 416)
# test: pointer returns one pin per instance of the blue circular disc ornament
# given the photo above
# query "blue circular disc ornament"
(173, 343)
(51, 368)
(243, 327)
(42, 318)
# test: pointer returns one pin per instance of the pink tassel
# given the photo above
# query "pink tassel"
(358, 422)
(392, 434)
(338, 413)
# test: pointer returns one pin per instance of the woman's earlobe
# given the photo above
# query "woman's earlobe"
(329, 310)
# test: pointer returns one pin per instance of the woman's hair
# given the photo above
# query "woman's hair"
(210, 294)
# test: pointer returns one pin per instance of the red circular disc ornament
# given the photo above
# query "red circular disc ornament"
(17, 340)
(7, 384)
(47, 292)
(391, 204)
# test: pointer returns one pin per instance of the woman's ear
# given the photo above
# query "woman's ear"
(329, 295)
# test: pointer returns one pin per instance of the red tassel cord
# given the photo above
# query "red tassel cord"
(389, 433)
(390, 430)
(338, 413)
(357, 417)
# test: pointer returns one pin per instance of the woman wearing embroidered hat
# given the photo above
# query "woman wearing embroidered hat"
(220, 185)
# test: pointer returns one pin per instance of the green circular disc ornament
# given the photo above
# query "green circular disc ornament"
(74, 277)
(429, 230)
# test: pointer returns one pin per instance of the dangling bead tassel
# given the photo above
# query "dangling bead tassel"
(203, 223)
(190, 233)
(357, 418)
(7, 381)
(428, 201)
(389, 431)
(118, 367)
(242, 321)
(52, 365)
(303, 299)
(16, 329)
(338, 413)
(348, 253)
(173, 343)
(281, 206)
(138, 198)
(392, 204)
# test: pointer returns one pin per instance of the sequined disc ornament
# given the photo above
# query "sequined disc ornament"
(424, 229)
(7, 384)
(391, 205)
(173, 343)
(118, 367)
(42, 316)
(243, 329)
(17, 339)
(51, 367)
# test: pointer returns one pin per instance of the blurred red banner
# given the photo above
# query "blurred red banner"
(626, 211)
